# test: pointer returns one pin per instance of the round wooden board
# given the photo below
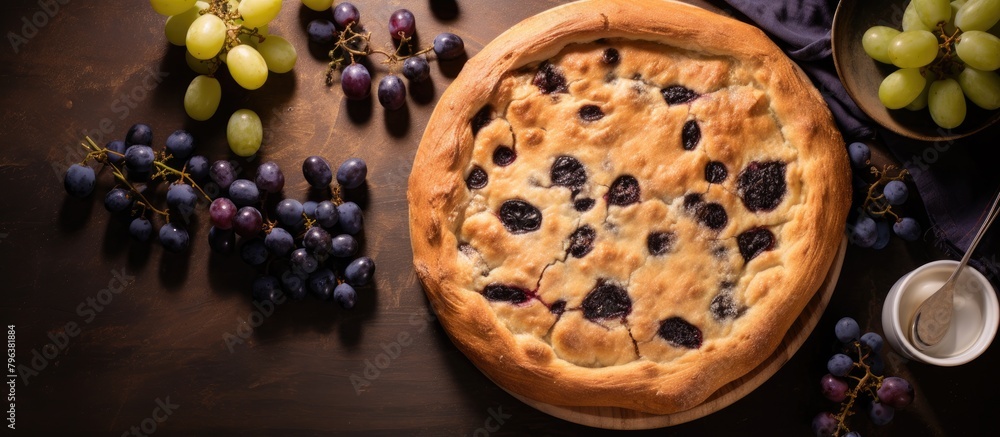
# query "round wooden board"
(626, 419)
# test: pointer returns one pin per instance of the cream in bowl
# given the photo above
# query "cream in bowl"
(973, 326)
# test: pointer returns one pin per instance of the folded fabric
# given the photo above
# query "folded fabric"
(955, 179)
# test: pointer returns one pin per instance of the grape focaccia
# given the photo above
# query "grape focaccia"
(626, 203)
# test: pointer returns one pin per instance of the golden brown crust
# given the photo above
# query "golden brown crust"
(612, 363)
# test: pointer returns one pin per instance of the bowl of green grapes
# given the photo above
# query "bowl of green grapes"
(924, 69)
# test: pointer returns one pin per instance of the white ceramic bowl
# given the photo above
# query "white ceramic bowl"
(973, 326)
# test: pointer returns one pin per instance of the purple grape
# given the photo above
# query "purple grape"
(116, 151)
(309, 209)
(140, 229)
(317, 172)
(222, 173)
(448, 46)
(139, 158)
(79, 180)
(883, 233)
(327, 214)
(266, 289)
(321, 31)
(279, 242)
(174, 237)
(139, 134)
(873, 341)
(345, 295)
(847, 330)
(248, 222)
(359, 272)
(344, 246)
(294, 285)
(834, 389)
(117, 200)
(352, 173)
(321, 283)
(317, 241)
(198, 167)
(864, 233)
(416, 69)
(391, 92)
(896, 192)
(289, 212)
(351, 220)
(895, 392)
(356, 82)
(840, 365)
(402, 22)
(180, 144)
(182, 198)
(302, 262)
(221, 241)
(254, 252)
(881, 414)
(344, 14)
(860, 155)
(221, 212)
(824, 424)
(244, 193)
(907, 228)
(269, 178)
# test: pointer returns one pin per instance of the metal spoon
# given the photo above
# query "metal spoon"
(933, 317)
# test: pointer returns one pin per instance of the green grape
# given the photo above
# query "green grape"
(202, 97)
(933, 12)
(913, 49)
(876, 42)
(171, 7)
(257, 13)
(946, 103)
(978, 15)
(901, 87)
(247, 66)
(921, 101)
(244, 132)
(318, 5)
(206, 36)
(949, 26)
(177, 26)
(979, 50)
(197, 65)
(982, 87)
(278, 53)
(911, 19)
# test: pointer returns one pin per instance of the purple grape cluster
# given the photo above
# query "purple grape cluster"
(348, 43)
(880, 195)
(307, 248)
(856, 378)
(138, 171)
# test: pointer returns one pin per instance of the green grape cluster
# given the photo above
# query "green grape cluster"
(946, 52)
(230, 32)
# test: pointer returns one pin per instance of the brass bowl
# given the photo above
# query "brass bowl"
(861, 75)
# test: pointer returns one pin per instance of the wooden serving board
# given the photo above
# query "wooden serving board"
(626, 419)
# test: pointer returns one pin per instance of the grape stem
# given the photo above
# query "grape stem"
(100, 154)
(948, 64)
(868, 383)
(351, 43)
(875, 202)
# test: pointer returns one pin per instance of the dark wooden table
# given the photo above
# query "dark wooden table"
(106, 357)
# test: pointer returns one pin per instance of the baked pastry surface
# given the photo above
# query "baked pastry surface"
(626, 203)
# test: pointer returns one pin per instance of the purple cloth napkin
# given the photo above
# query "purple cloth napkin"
(955, 179)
